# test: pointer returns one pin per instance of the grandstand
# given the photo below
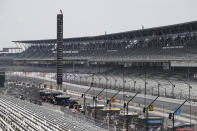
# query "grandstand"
(167, 55)
(25, 116)
(161, 44)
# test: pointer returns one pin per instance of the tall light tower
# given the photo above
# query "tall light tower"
(59, 49)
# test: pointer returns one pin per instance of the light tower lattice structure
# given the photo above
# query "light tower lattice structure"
(59, 49)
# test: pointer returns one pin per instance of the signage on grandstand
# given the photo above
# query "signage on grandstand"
(166, 65)
(184, 63)
(68, 52)
(172, 47)
(71, 52)
(111, 50)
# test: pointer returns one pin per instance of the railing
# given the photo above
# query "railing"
(77, 116)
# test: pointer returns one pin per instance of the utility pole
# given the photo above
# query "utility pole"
(80, 80)
(172, 114)
(190, 87)
(92, 84)
(173, 86)
(145, 85)
(123, 82)
(84, 99)
(190, 105)
(128, 109)
(146, 111)
(106, 85)
(134, 83)
(112, 98)
(145, 73)
(189, 96)
(115, 83)
(158, 89)
(95, 101)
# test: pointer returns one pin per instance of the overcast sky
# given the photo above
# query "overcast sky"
(36, 19)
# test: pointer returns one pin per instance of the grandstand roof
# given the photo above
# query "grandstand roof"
(162, 30)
